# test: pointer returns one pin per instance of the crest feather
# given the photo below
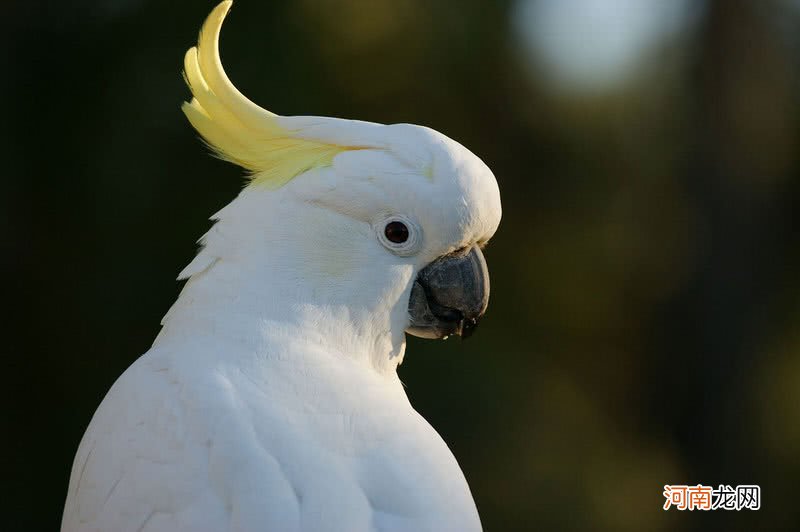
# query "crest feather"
(235, 128)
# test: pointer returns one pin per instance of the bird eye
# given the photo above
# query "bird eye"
(396, 232)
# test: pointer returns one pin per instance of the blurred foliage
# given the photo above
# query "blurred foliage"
(644, 327)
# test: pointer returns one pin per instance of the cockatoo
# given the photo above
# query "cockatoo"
(270, 399)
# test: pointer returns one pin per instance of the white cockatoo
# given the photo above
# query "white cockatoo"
(270, 399)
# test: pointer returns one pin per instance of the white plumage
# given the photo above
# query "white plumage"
(270, 399)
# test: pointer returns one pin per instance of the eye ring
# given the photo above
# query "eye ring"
(399, 234)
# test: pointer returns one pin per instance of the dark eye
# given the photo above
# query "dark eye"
(396, 232)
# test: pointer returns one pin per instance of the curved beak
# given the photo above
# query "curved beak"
(449, 295)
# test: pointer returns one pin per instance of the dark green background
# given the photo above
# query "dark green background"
(644, 327)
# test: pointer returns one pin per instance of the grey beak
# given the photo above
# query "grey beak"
(449, 295)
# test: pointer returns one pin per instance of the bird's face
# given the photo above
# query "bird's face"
(415, 222)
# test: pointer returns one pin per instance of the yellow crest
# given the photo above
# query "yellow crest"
(235, 128)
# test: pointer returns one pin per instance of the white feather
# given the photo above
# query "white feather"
(270, 399)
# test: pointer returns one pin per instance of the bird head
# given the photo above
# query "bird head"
(383, 224)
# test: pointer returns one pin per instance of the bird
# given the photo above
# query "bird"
(270, 400)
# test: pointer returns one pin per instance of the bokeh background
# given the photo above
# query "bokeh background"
(644, 327)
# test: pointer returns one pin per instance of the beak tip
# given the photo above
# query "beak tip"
(468, 326)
